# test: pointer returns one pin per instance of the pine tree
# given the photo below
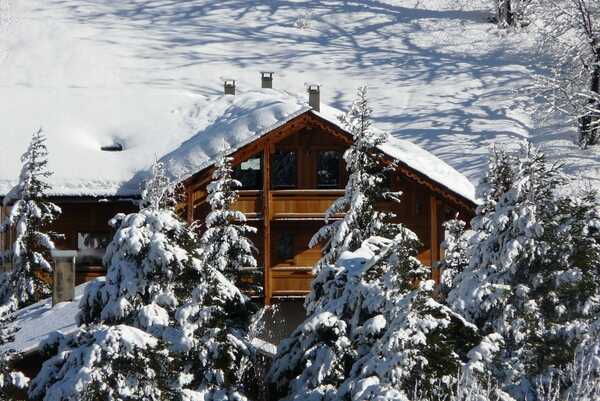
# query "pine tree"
(533, 275)
(225, 245)
(30, 216)
(162, 320)
(379, 335)
(366, 184)
(101, 362)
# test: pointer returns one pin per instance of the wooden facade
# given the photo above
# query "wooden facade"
(84, 227)
(288, 193)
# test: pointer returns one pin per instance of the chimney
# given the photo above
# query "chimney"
(63, 283)
(229, 87)
(314, 96)
(266, 79)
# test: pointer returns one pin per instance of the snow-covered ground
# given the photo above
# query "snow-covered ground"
(135, 71)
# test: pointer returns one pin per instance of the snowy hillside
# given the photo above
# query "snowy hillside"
(135, 71)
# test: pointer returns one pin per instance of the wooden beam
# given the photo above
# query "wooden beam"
(435, 240)
(267, 221)
(190, 205)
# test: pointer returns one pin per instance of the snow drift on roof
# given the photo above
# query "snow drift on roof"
(416, 158)
(228, 123)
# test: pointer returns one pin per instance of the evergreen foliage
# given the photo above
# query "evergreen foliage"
(161, 325)
(367, 183)
(225, 243)
(455, 253)
(30, 216)
(533, 276)
(374, 329)
(380, 334)
(12, 383)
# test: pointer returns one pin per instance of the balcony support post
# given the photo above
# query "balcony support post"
(266, 212)
(435, 240)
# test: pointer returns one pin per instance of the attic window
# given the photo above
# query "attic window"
(115, 147)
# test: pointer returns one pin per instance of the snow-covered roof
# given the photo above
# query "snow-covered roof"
(416, 158)
(197, 130)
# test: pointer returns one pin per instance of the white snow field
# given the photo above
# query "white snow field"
(137, 72)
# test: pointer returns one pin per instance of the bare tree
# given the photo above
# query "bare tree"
(569, 35)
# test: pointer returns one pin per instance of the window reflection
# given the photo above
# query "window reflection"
(249, 173)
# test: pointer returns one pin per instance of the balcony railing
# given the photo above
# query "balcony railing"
(289, 203)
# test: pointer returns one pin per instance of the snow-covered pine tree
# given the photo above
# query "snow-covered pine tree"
(121, 349)
(366, 184)
(100, 362)
(533, 274)
(159, 314)
(416, 342)
(31, 215)
(455, 253)
(149, 251)
(225, 243)
(215, 348)
(380, 334)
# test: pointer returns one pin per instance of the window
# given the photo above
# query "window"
(328, 169)
(91, 248)
(93, 241)
(284, 169)
(249, 173)
(285, 247)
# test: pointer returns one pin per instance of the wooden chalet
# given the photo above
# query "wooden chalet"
(291, 175)
(288, 156)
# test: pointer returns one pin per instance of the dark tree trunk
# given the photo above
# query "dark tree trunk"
(505, 13)
(590, 122)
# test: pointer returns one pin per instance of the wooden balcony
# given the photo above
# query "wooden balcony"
(302, 203)
(288, 204)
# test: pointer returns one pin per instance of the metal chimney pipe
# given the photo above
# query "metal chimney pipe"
(314, 96)
(229, 87)
(266, 79)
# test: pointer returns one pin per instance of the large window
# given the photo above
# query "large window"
(249, 173)
(284, 174)
(328, 169)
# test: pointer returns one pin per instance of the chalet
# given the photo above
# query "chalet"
(288, 155)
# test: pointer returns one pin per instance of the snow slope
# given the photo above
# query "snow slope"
(36, 321)
(136, 71)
